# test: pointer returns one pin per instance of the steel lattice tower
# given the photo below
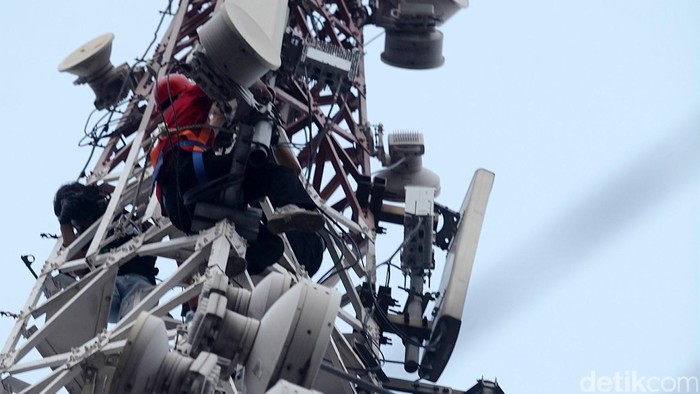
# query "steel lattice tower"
(326, 126)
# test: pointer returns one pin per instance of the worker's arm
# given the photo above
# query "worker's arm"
(67, 233)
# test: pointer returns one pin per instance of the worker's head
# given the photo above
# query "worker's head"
(79, 205)
(168, 88)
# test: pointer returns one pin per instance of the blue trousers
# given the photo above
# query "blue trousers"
(129, 290)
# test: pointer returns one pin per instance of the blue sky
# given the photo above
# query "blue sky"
(587, 112)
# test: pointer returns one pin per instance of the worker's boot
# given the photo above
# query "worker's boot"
(291, 217)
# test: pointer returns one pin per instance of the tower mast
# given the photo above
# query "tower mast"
(320, 102)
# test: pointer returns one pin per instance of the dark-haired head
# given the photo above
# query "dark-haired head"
(75, 201)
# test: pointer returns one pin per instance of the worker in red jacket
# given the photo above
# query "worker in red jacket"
(185, 157)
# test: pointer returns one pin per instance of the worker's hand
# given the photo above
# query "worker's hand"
(216, 118)
(261, 92)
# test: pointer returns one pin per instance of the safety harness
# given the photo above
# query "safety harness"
(186, 140)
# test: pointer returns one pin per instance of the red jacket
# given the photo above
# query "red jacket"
(184, 118)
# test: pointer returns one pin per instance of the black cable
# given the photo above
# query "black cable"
(372, 343)
(94, 144)
(357, 261)
(405, 240)
(366, 43)
(113, 109)
(396, 330)
(155, 33)
(342, 374)
(334, 270)
(328, 274)
(369, 341)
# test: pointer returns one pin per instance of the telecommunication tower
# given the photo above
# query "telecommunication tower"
(279, 332)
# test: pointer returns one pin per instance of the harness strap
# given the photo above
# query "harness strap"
(199, 171)
(184, 139)
(197, 160)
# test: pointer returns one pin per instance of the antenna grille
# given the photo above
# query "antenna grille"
(406, 138)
